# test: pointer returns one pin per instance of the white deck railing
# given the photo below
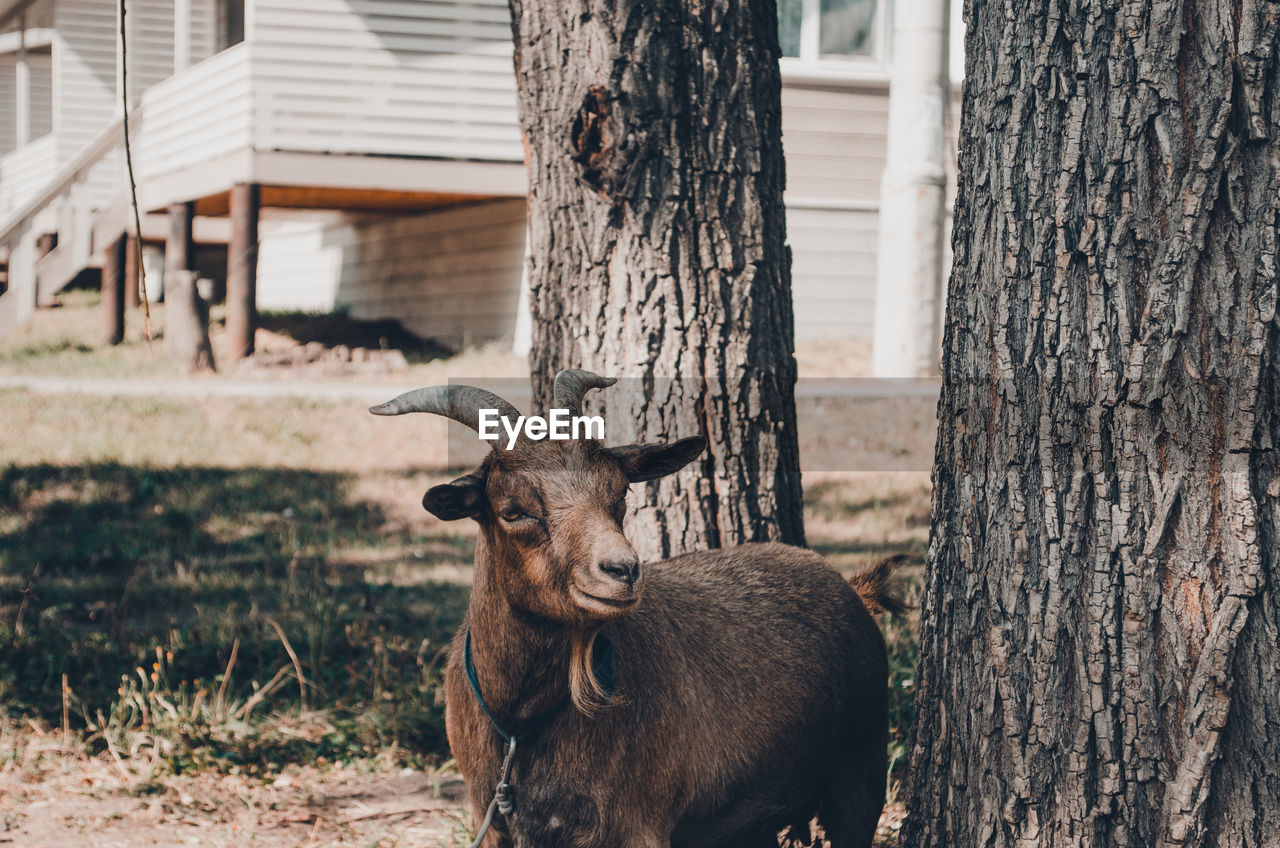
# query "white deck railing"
(25, 170)
(317, 98)
(197, 116)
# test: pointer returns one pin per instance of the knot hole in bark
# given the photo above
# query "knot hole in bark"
(593, 141)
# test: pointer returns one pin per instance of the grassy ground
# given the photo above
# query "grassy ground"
(67, 342)
(241, 602)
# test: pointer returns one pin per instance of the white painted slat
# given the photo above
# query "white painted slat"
(433, 86)
(451, 26)
(397, 46)
(486, 60)
(851, 120)
(446, 239)
(832, 271)
(863, 145)
(495, 11)
(370, 121)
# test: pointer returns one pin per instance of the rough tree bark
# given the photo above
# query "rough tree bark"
(658, 245)
(1100, 622)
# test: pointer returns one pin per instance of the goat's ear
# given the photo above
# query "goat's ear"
(649, 462)
(461, 498)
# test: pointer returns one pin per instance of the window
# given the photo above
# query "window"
(833, 34)
(25, 60)
(230, 23)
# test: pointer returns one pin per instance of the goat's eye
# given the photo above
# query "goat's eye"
(512, 514)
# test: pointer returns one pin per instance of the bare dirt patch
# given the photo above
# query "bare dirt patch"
(69, 800)
(87, 804)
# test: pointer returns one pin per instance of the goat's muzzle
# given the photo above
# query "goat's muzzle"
(609, 587)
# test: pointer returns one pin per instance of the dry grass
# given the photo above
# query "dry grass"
(67, 341)
(69, 429)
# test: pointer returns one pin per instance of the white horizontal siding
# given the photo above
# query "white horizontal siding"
(298, 266)
(392, 77)
(84, 83)
(203, 33)
(834, 141)
(41, 75)
(452, 275)
(833, 271)
(150, 30)
(197, 116)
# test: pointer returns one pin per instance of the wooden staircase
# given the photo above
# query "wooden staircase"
(65, 207)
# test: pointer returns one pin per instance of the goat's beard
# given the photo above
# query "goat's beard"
(585, 689)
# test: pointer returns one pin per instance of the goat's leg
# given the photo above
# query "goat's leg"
(853, 801)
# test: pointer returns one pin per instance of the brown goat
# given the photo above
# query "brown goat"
(744, 689)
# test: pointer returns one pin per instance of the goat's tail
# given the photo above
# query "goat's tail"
(870, 586)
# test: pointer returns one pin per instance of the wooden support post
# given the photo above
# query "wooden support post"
(132, 273)
(242, 271)
(113, 293)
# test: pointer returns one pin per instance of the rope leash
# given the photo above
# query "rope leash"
(502, 801)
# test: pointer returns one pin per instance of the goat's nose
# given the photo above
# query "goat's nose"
(624, 570)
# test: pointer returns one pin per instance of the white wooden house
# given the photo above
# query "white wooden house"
(380, 138)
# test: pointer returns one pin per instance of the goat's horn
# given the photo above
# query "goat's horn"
(461, 403)
(572, 384)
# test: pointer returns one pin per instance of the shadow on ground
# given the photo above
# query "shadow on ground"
(334, 329)
(111, 572)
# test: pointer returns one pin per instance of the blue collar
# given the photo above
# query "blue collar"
(602, 662)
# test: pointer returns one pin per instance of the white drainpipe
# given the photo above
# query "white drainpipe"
(912, 196)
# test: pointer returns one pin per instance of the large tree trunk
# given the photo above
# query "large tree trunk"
(1100, 623)
(657, 232)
